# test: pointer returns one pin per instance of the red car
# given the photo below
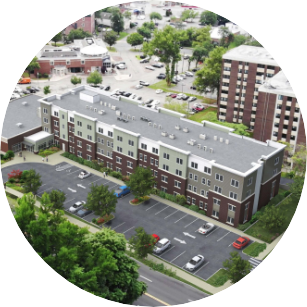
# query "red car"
(241, 242)
(198, 109)
(174, 95)
(157, 238)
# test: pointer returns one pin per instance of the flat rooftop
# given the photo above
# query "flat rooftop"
(250, 54)
(278, 84)
(24, 111)
(238, 154)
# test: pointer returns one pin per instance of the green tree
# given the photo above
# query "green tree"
(127, 15)
(57, 198)
(155, 16)
(297, 185)
(78, 34)
(142, 243)
(32, 181)
(208, 18)
(94, 78)
(238, 41)
(190, 60)
(145, 32)
(236, 267)
(149, 25)
(9, 155)
(202, 36)
(221, 19)
(33, 65)
(209, 76)
(47, 90)
(227, 36)
(110, 38)
(57, 38)
(187, 36)
(199, 53)
(25, 212)
(135, 39)
(117, 22)
(272, 218)
(189, 14)
(101, 200)
(141, 182)
(75, 80)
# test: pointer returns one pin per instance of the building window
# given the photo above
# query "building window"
(79, 133)
(217, 189)
(119, 149)
(100, 130)
(179, 161)
(276, 161)
(208, 182)
(79, 154)
(56, 133)
(194, 189)
(163, 189)
(193, 201)
(207, 170)
(89, 127)
(248, 193)
(219, 177)
(131, 143)
(231, 207)
(215, 214)
(177, 184)
(152, 161)
(45, 111)
(130, 153)
(166, 156)
(145, 158)
(71, 119)
(155, 150)
(203, 180)
(230, 220)
(55, 113)
(233, 195)
(201, 204)
(156, 162)
(249, 181)
(195, 177)
(89, 137)
(189, 187)
(63, 116)
(119, 138)
(46, 120)
(63, 136)
(275, 171)
(119, 170)
(156, 174)
(71, 149)
(216, 201)
(129, 164)
(141, 156)
(110, 134)
(119, 160)
(164, 178)
(188, 199)
(79, 123)
(88, 157)
(165, 167)
(178, 172)
(202, 192)
(190, 175)
(56, 123)
(234, 183)
(143, 146)
(46, 129)
(79, 143)
(88, 147)
(194, 165)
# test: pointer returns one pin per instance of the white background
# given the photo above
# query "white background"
(27, 25)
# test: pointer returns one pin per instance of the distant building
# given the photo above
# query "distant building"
(86, 23)
(234, 29)
(105, 20)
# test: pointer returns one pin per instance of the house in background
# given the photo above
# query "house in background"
(86, 23)
(105, 20)
(233, 28)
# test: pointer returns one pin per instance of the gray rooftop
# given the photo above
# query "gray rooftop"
(17, 112)
(238, 154)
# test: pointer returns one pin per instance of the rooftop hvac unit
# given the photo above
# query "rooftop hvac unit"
(149, 123)
(164, 133)
(177, 127)
(155, 125)
(124, 115)
(101, 103)
(199, 146)
(25, 103)
(215, 138)
(95, 110)
(19, 125)
(101, 112)
(105, 104)
(226, 141)
(91, 108)
(86, 107)
(202, 136)
(133, 117)
(185, 130)
(114, 108)
(205, 148)
(129, 116)
(191, 142)
(118, 113)
(110, 105)
(211, 150)
(221, 140)
(160, 126)
(172, 136)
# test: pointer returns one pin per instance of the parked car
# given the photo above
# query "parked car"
(193, 87)
(15, 96)
(101, 87)
(189, 74)
(192, 98)
(199, 105)
(37, 88)
(107, 88)
(158, 91)
(194, 110)
(162, 245)
(195, 263)
(83, 212)
(146, 60)
(138, 98)
(241, 242)
(143, 56)
(158, 65)
(156, 102)
(186, 56)
(76, 206)
(24, 81)
(144, 83)
(185, 97)
(157, 238)
(26, 92)
(17, 90)
(174, 82)
(138, 86)
(84, 174)
(198, 109)
(148, 101)
(150, 67)
(182, 76)
(173, 95)
(121, 191)
(121, 66)
(179, 96)
(168, 94)
(206, 228)
(127, 94)
(133, 96)
(195, 69)
(32, 90)
(161, 76)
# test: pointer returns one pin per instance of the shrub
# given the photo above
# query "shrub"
(202, 212)
(255, 217)
(135, 201)
(71, 157)
(87, 163)
(162, 194)
(291, 174)
(287, 193)
(2, 156)
(100, 220)
(45, 75)
(194, 208)
(94, 220)
(125, 178)
(24, 175)
(66, 154)
(117, 175)
(80, 160)
(12, 180)
(181, 199)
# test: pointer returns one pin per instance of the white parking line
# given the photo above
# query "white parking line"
(201, 268)
(152, 206)
(167, 251)
(95, 181)
(180, 218)
(212, 232)
(178, 256)
(161, 210)
(74, 171)
(128, 229)
(190, 223)
(113, 186)
(223, 237)
(145, 278)
(171, 214)
(44, 190)
(67, 201)
(118, 225)
(43, 185)
(106, 182)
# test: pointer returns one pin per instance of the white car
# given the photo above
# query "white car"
(17, 90)
(150, 67)
(76, 206)
(195, 263)
(155, 102)
(179, 96)
(121, 66)
(156, 59)
(84, 174)
(159, 91)
(206, 228)
(15, 96)
(189, 74)
(141, 17)
(183, 76)
(197, 105)
(138, 86)
(168, 94)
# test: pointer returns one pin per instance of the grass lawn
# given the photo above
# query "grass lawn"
(48, 152)
(111, 49)
(12, 202)
(218, 279)
(287, 209)
(136, 49)
(255, 249)
(138, 57)
(25, 74)
(3, 161)
(57, 44)
(15, 187)
(204, 115)
(122, 35)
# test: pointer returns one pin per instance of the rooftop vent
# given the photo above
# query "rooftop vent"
(177, 127)
(191, 142)
(125, 120)
(202, 136)
(114, 108)
(160, 127)
(145, 119)
(110, 105)
(205, 148)
(226, 141)
(25, 103)
(101, 102)
(101, 112)
(164, 133)
(124, 115)
(172, 136)
(185, 130)
(221, 140)
(155, 125)
(118, 113)
(86, 106)
(215, 138)
(128, 116)
(199, 146)
(211, 150)
(91, 108)
(105, 104)
(19, 125)
(133, 117)
(95, 110)
(149, 123)
(119, 118)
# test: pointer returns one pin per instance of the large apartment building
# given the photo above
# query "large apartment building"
(227, 175)
(244, 70)
(86, 23)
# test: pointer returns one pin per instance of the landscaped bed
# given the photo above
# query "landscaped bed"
(48, 152)
(254, 249)
(218, 279)
(99, 221)
(138, 201)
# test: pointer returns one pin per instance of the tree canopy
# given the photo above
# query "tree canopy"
(145, 32)
(32, 181)
(271, 218)
(208, 18)
(110, 38)
(135, 39)
(57, 38)
(127, 15)
(155, 16)
(142, 243)
(47, 89)
(33, 65)
(57, 198)
(189, 14)
(117, 20)
(94, 78)
(78, 34)
(75, 80)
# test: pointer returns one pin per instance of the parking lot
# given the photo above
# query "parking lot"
(155, 217)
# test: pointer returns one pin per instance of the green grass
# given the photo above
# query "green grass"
(25, 74)
(48, 152)
(287, 209)
(255, 249)
(138, 57)
(218, 279)
(15, 187)
(111, 49)
(207, 114)
(12, 202)
(122, 35)
(3, 161)
(136, 49)
(58, 44)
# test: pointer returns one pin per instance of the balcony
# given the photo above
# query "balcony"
(223, 103)
(225, 88)
(239, 121)
(240, 113)
(289, 103)
(253, 115)
(227, 65)
(254, 108)
(295, 124)
(278, 111)
(286, 122)
(292, 142)
(259, 69)
(277, 120)
(287, 113)
(224, 95)
(274, 138)
(285, 131)
(270, 71)
(226, 72)
(236, 105)
(294, 133)
(275, 129)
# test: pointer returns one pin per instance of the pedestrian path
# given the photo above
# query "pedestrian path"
(254, 262)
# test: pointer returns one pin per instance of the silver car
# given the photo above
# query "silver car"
(84, 174)
(162, 245)
(76, 206)
(195, 263)
(206, 228)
